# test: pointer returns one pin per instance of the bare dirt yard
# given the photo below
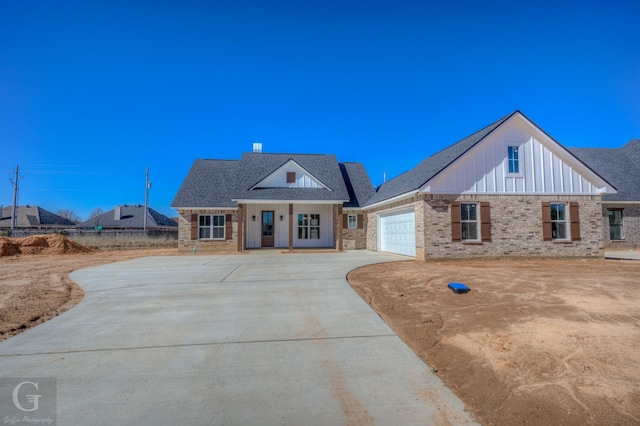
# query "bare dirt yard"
(534, 341)
(544, 342)
(35, 287)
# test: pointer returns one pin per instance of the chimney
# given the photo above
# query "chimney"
(117, 213)
(257, 147)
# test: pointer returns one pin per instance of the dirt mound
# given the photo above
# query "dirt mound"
(7, 247)
(49, 244)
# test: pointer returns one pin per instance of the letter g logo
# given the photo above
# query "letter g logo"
(30, 398)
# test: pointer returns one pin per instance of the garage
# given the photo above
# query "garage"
(397, 232)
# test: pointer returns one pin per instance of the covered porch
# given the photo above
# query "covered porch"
(289, 225)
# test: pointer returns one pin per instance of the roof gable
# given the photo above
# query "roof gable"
(279, 178)
(256, 176)
(476, 164)
(415, 178)
(544, 165)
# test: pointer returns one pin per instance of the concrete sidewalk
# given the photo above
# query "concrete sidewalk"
(622, 255)
(253, 339)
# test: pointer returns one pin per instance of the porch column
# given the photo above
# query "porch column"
(240, 226)
(340, 222)
(290, 227)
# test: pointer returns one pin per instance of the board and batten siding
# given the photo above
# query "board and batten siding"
(281, 228)
(545, 167)
(278, 179)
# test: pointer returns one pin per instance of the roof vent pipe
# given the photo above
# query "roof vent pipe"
(257, 147)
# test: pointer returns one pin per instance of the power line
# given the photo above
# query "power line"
(15, 201)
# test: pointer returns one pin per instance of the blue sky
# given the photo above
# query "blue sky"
(92, 93)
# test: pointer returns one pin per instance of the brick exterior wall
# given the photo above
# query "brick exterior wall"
(354, 239)
(630, 226)
(516, 227)
(186, 244)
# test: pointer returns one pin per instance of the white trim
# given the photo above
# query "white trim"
(586, 169)
(555, 149)
(211, 227)
(476, 221)
(524, 194)
(620, 202)
(396, 198)
(206, 208)
(349, 217)
(255, 201)
(290, 160)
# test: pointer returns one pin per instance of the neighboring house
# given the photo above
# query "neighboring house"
(621, 211)
(33, 218)
(129, 217)
(506, 190)
(273, 200)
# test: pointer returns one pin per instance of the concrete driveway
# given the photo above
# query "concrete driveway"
(255, 339)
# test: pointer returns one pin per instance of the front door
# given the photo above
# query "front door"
(267, 229)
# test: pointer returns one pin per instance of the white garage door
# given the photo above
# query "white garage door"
(397, 233)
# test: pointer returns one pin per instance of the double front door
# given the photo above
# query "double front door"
(267, 229)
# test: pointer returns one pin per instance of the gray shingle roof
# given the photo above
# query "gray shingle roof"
(131, 217)
(217, 183)
(413, 179)
(209, 183)
(256, 166)
(33, 217)
(619, 166)
(358, 184)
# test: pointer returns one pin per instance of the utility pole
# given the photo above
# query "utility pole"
(146, 199)
(15, 202)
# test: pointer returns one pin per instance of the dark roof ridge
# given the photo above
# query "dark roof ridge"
(495, 123)
(427, 169)
(287, 153)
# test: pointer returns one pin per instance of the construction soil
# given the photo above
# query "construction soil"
(534, 341)
(541, 342)
(35, 287)
(47, 244)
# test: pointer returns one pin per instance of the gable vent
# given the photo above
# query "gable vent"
(257, 147)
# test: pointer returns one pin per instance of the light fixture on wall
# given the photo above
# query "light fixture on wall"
(253, 218)
(281, 218)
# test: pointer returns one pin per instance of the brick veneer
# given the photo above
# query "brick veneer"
(516, 227)
(630, 225)
(354, 239)
(186, 244)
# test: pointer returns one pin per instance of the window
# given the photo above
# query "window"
(291, 177)
(558, 221)
(308, 226)
(211, 226)
(469, 221)
(514, 160)
(353, 221)
(615, 225)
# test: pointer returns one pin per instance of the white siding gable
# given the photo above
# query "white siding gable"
(545, 166)
(278, 179)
